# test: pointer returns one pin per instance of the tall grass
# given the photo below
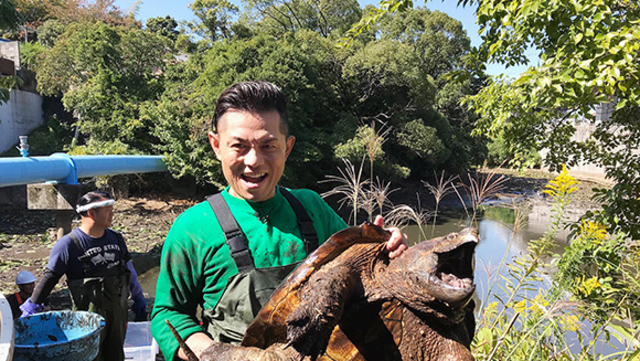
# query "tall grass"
(351, 187)
(439, 191)
(480, 187)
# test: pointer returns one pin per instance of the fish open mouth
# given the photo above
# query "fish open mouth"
(452, 281)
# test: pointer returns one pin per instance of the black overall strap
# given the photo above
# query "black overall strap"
(308, 232)
(235, 238)
(86, 265)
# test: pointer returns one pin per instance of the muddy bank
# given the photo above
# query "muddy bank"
(26, 237)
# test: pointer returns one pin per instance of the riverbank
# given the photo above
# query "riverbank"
(26, 237)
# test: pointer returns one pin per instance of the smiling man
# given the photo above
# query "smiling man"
(228, 254)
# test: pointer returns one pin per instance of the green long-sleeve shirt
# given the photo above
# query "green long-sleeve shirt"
(196, 262)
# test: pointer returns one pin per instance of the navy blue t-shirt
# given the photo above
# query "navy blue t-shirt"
(103, 254)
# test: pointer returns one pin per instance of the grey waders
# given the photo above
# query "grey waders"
(246, 292)
(107, 296)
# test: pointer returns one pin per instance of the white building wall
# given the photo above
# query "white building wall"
(11, 50)
(19, 116)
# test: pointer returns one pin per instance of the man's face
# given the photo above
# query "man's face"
(27, 288)
(252, 151)
(102, 216)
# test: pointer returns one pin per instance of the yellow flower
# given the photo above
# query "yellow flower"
(520, 306)
(563, 184)
(587, 286)
(570, 322)
(539, 303)
(593, 231)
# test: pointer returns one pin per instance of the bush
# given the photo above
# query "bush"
(47, 139)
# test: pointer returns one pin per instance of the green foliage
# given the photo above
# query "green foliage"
(589, 55)
(130, 94)
(10, 18)
(369, 19)
(53, 137)
(213, 18)
(331, 93)
(32, 11)
(521, 326)
(29, 53)
(105, 75)
(439, 41)
(422, 141)
(49, 32)
(163, 26)
(590, 268)
(387, 77)
(355, 148)
(325, 17)
(184, 44)
(6, 84)
(367, 143)
(500, 153)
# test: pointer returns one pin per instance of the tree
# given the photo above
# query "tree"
(32, 11)
(105, 74)
(339, 100)
(589, 56)
(10, 18)
(214, 16)
(439, 40)
(442, 48)
(322, 16)
(163, 26)
(297, 64)
(75, 11)
(49, 32)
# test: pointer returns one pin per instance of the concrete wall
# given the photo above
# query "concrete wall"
(11, 50)
(585, 170)
(19, 116)
(583, 132)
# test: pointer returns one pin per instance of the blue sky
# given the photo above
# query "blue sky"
(179, 10)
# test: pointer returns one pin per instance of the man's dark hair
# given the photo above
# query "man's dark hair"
(91, 197)
(254, 97)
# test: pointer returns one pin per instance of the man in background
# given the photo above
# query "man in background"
(99, 273)
(26, 282)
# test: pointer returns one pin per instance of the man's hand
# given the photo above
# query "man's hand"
(140, 309)
(197, 342)
(397, 243)
(28, 308)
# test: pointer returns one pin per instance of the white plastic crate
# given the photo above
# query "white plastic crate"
(139, 345)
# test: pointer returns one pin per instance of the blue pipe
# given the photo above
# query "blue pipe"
(62, 168)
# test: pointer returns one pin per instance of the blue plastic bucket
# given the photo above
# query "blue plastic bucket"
(59, 335)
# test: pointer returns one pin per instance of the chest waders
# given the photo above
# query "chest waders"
(107, 296)
(246, 292)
